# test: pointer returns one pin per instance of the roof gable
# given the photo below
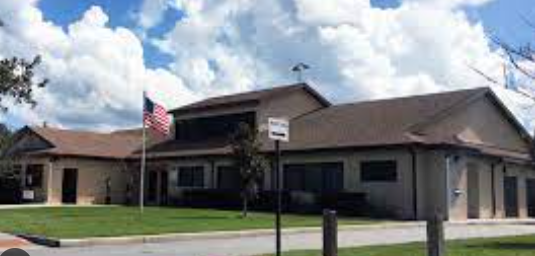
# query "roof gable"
(250, 98)
(372, 123)
(27, 140)
(115, 145)
(483, 121)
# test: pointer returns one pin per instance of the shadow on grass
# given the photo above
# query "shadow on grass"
(503, 246)
(208, 218)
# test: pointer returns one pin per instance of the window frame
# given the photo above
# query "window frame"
(30, 179)
(235, 177)
(317, 174)
(194, 182)
(386, 176)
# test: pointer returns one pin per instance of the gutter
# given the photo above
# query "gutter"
(412, 151)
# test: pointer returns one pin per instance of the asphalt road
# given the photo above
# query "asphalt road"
(265, 244)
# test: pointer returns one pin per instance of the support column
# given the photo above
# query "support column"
(50, 183)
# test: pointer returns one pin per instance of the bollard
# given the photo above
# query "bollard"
(330, 233)
(435, 236)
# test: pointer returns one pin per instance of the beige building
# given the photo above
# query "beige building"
(74, 167)
(461, 153)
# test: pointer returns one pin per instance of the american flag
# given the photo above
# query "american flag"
(156, 117)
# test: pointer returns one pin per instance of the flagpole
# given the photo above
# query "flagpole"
(143, 161)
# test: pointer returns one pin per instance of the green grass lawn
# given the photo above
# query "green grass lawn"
(507, 246)
(79, 222)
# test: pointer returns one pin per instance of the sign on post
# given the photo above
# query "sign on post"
(279, 129)
(28, 195)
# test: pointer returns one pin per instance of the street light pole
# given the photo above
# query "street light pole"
(279, 197)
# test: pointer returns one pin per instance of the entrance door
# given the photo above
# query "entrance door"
(164, 184)
(153, 187)
(70, 186)
(530, 190)
(473, 192)
(511, 196)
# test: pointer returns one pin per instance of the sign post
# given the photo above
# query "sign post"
(278, 130)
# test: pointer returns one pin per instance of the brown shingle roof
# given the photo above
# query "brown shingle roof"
(363, 124)
(172, 148)
(117, 144)
(372, 123)
(249, 97)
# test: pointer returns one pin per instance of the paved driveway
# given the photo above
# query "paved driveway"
(264, 244)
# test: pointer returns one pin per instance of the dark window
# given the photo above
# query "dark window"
(17, 170)
(314, 177)
(378, 171)
(223, 126)
(191, 176)
(34, 175)
(228, 177)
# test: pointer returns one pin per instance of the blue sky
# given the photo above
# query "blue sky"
(121, 13)
(500, 17)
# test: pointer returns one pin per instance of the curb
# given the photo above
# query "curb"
(178, 237)
(39, 240)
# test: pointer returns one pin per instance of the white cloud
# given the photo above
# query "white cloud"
(451, 3)
(152, 13)
(356, 51)
(96, 73)
(321, 12)
(360, 50)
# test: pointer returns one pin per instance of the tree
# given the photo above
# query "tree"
(5, 138)
(17, 82)
(17, 79)
(250, 162)
(519, 59)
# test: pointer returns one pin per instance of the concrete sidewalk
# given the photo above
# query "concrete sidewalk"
(264, 244)
(10, 241)
(29, 206)
(181, 237)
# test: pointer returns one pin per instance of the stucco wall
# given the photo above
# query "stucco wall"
(481, 122)
(40, 193)
(288, 106)
(432, 197)
(394, 197)
(92, 177)
(489, 204)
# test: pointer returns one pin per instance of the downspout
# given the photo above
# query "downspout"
(414, 182)
(493, 188)
(448, 187)
(213, 174)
